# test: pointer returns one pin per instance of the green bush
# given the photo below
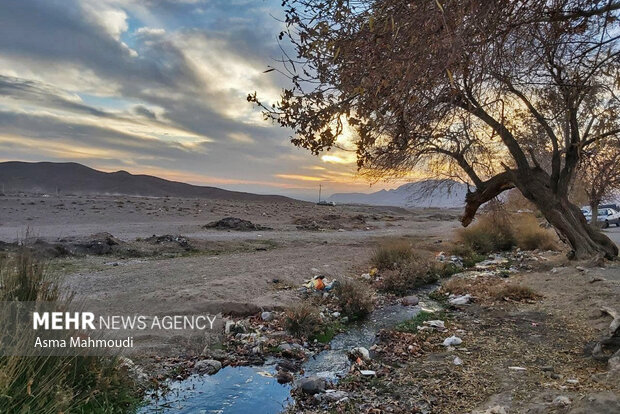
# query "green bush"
(54, 384)
(355, 299)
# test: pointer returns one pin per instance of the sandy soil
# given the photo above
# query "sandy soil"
(233, 272)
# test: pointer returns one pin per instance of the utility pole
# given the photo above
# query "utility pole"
(319, 193)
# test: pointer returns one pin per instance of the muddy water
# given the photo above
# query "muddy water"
(240, 390)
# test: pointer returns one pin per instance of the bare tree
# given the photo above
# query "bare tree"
(600, 174)
(477, 86)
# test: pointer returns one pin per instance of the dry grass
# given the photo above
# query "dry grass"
(515, 292)
(415, 272)
(302, 320)
(355, 299)
(491, 232)
(391, 254)
(489, 288)
(531, 236)
(500, 231)
(52, 384)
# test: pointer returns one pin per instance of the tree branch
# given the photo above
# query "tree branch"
(486, 192)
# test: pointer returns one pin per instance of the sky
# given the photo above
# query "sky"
(156, 87)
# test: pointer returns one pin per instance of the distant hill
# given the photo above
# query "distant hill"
(429, 193)
(48, 177)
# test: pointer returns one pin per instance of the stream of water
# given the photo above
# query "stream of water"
(241, 390)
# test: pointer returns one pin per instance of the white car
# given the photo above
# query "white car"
(606, 216)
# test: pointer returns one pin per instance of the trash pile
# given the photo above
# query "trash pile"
(318, 284)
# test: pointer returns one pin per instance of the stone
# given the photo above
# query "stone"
(460, 300)
(284, 377)
(457, 361)
(334, 395)
(207, 366)
(312, 385)
(561, 400)
(266, 316)
(451, 341)
(410, 300)
(437, 324)
(336, 314)
(360, 352)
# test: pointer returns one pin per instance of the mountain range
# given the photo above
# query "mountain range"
(74, 178)
(429, 193)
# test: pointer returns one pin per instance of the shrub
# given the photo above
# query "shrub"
(413, 273)
(531, 236)
(515, 292)
(302, 320)
(355, 299)
(492, 232)
(52, 384)
(392, 254)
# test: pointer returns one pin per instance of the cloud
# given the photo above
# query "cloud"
(156, 85)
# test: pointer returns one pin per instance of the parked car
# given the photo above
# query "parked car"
(606, 216)
(326, 203)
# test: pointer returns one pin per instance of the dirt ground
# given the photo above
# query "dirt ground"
(225, 272)
(531, 356)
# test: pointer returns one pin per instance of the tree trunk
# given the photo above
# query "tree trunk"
(586, 241)
(594, 211)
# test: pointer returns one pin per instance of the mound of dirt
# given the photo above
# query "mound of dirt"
(169, 239)
(234, 223)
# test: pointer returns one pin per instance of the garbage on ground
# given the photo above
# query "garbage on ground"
(320, 283)
(453, 340)
(457, 361)
(368, 372)
(459, 299)
(453, 259)
(517, 369)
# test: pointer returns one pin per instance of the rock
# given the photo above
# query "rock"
(359, 352)
(368, 372)
(451, 341)
(284, 377)
(266, 316)
(336, 314)
(437, 324)
(457, 361)
(599, 403)
(312, 385)
(207, 366)
(572, 381)
(285, 347)
(228, 327)
(410, 300)
(460, 300)
(345, 319)
(561, 400)
(366, 276)
(334, 395)
(581, 268)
